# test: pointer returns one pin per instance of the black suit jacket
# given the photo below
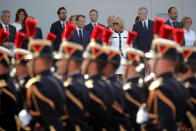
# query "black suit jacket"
(90, 28)
(178, 25)
(144, 39)
(12, 31)
(37, 36)
(85, 38)
(57, 29)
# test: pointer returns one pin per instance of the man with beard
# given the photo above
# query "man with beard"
(58, 27)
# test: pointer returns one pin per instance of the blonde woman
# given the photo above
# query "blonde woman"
(118, 41)
(189, 35)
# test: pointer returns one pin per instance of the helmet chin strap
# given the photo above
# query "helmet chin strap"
(87, 66)
(126, 72)
(155, 65)
(67, 67)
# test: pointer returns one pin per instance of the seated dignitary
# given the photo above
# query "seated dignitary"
(70, 59)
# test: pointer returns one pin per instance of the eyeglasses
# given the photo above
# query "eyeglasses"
(116, 23)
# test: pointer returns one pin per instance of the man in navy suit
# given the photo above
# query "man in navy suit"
(93, 17)
(58, 26)
(5, 20)
(144, 28)
(81, 35)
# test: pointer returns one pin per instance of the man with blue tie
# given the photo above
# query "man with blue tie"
(80, 35)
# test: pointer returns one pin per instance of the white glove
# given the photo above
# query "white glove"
(24, 117)
(142, 115)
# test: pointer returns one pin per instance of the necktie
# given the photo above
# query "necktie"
(6, 27)
(174, 24)
(80, 35)
(145, 27)
(63, 25)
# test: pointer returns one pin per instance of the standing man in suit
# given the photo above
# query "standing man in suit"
(144, 28)
(58, 26)
(173, 16)
(110, 22)
(81, 35)
(38, 34)
(5, 20)
(93, 18)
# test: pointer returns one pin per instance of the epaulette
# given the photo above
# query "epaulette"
(33, 81)
(187, 84)
(155, 84)
(105, 79)
(67, 82)
(89, 83)
(3, 83)
(127, 86)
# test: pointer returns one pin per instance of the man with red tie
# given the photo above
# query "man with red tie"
(5, 20)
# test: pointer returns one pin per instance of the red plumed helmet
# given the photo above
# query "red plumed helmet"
(157, 25)
(51, 37)
(31, 27)
(178, 36)
(131, 37)
(107, 34)
(97, 32)
(3, 35)
(20, 37)
(68, 31)
(166, 31)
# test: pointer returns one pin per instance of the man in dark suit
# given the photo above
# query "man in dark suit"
(5, 20)
(81, 35)
(173, 16)
(58, 26)
(93, 17)
(37, 36)
(144, 28)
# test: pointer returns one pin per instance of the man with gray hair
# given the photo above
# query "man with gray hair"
(110, 22)
(5, 20)
(144, 28)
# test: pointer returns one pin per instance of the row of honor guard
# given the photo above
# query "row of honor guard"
(89, 96)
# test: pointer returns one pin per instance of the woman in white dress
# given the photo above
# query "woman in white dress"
(118, 41)
(189, 35)
(21, 16)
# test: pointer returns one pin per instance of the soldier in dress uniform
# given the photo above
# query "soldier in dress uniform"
(69, 62)
(8, 97)
(21, 75)
(166, 102)
(45, 97)
(119, 118)
(131, 61)
(188, 77)
(100, 92)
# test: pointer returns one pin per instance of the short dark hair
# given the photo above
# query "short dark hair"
(48, 60)
(101, 66)
(169, 10)
(192, 67)
(78, 17)
(93, 10)
(61, 8)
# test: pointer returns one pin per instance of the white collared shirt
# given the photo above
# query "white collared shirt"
(4, 26)
(63, 23)
(146, 23)
(189, 37)
(94, 24)
(78, 31)
(171, 21)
